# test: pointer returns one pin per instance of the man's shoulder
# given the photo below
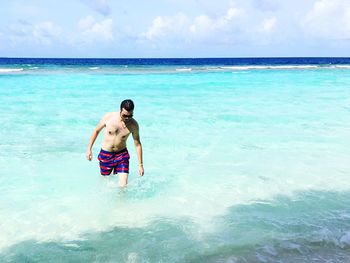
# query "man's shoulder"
(110, 114)
(134, 124)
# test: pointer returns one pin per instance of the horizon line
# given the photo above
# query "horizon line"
(262, 57)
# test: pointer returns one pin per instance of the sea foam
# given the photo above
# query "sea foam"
(270, 67)
(9, 70)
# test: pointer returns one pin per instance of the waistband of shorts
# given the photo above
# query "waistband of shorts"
(123, 150)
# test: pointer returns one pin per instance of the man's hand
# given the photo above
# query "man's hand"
(89, 155)
(141, 171)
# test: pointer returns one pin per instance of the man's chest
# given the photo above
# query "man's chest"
(116, 128)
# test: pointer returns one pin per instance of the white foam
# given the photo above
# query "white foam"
(345, 240)
(270, 67)
(243, 67)
(342, 66)
(183, 69)
(93, 68)
(7, 70)
(212, 68)
(294, 67)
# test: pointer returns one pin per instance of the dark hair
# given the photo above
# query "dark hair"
(127, 105)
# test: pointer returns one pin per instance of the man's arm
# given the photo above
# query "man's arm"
(94, 135)
(138, 146)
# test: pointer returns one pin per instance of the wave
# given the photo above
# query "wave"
(341, 66)
(184, 69)
(8, 70)
(236, 69)
(293, 66)
(270, 67)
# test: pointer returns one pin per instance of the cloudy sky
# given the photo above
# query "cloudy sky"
(174, 28)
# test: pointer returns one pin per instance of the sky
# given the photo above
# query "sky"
(174, 28)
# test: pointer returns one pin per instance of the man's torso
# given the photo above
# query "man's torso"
(116, 133)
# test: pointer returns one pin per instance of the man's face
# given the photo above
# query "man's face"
(126, 115)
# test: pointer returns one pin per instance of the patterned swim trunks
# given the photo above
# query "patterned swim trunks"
(116, 161)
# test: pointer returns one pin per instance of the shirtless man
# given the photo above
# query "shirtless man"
(114, 155)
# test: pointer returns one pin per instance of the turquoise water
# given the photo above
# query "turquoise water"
(240, 166)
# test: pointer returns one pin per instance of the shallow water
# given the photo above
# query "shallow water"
(240, 166)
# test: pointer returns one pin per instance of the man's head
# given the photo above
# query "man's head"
(126, 110)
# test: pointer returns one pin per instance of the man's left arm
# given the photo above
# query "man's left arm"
(138, 146)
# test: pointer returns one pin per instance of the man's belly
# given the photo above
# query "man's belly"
(113, 144)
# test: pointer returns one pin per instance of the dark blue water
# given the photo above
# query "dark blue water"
(178, 61)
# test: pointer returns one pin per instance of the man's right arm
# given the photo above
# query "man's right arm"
(94, 135)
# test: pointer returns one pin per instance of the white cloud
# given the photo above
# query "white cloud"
(164, 26)
(96, 31)
(158, 27)
(229, 16)
(20, 30)
(180, 26)
(237, 25)
(201, 25)
(44, 32)
(328, 19)
(204, 25)
(268, 25)
(86, 23)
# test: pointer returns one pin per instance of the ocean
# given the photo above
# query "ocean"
(246, 160)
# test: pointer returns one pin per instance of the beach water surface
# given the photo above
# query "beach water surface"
(242, 164)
